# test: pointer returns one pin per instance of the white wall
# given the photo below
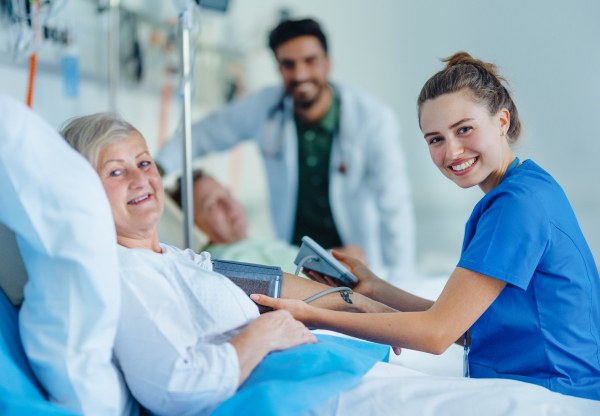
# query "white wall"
(549, 51)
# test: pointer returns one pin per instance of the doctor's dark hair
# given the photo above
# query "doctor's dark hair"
(480, 80)
(291, 29)
(90, 134)
(175, 194)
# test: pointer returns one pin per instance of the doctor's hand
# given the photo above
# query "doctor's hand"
(367, 281)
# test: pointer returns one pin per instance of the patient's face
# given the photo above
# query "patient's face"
(217, 213)
(133, 186)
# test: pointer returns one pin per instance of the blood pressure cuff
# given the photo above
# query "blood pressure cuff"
(252, 278)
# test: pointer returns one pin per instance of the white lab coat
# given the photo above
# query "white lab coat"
(370, 201)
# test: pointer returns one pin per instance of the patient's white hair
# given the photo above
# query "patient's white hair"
(89, 134)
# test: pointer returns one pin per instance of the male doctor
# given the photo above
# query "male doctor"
(334, 163)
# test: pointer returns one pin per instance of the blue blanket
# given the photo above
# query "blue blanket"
(291, 382)
(20, 393)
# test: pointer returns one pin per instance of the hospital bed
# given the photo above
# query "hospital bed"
(384, 390)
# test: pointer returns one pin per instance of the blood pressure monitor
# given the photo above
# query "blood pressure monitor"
(314, 257)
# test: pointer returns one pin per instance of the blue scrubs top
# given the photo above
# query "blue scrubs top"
(544, 327)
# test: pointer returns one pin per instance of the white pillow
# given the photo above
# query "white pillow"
(13, 275)
(54, 202)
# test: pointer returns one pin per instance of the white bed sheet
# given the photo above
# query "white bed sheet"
(416, 383)
(394, 390)
(447, 364)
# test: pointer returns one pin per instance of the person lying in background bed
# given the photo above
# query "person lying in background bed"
(187, 336)
(526, 291)
(224, 221)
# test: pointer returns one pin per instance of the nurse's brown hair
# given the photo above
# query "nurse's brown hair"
(480, 80)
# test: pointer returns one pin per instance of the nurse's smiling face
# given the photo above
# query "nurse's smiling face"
(466, 143)
(133, 186)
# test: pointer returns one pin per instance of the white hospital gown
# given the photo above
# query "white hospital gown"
(176, 318)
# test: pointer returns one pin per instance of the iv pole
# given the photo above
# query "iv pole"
(185, 9)
(113, 55)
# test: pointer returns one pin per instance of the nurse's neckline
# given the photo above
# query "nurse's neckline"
(515, 163)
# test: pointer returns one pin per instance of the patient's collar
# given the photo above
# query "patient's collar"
(151, 243)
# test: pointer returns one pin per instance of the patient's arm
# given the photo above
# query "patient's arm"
(295, 287)
(466, 296)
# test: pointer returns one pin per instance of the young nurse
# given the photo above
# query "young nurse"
(526, 292)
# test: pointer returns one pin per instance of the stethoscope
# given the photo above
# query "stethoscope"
(272, 140)
(273, 134)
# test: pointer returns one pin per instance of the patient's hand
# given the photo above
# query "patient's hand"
(367, 281)
(282, 330)
(273, 331)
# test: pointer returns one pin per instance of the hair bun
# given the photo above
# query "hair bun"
(463, 58)
(481, 80)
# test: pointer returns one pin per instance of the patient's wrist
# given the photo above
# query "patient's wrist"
(252, 338)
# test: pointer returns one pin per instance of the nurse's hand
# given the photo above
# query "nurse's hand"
(300, 310)
(353, 250)
(367, 281)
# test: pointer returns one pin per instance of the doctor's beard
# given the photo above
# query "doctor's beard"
(307, 102)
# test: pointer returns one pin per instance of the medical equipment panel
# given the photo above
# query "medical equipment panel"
(313, 257)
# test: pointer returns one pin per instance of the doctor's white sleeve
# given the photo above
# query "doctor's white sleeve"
(393, 198)
(241, 120)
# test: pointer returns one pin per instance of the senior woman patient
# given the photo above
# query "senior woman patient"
(187, 337)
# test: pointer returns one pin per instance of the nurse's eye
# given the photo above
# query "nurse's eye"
(463, 130)
(145, 163)
(435, 140)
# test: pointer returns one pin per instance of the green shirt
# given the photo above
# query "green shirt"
(313, 213)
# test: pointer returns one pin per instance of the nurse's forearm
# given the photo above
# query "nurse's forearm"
(412, 330)
(295, 287)
(466, 296)
(398, 299)
(377, 289)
